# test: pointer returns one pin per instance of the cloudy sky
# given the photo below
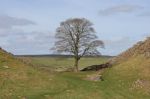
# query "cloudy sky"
(28, 26)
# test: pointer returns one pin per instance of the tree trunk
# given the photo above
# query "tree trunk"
(76, 65)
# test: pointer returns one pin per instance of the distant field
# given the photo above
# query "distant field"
(62, 63)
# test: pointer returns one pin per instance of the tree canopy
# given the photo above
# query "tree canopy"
(77, 37)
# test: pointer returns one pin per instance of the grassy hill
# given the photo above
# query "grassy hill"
(20, 81)
(17, 80)
(142, 48)
(131, 71)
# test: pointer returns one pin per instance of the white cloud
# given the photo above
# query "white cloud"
(145, 14)
(119, 9)
(22, 42)
(9, 22)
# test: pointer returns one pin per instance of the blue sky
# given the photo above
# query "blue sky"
(28, 26)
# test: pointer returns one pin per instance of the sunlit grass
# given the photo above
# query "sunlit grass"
(64, 63)
(20, 81)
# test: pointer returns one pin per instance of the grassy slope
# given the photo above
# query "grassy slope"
(20, 81)
(130, 78)
(131, 71)
(119, 81)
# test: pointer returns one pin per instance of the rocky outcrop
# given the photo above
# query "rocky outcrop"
(96, 67)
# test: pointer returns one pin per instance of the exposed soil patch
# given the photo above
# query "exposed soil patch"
(141, 84)
(94, 77)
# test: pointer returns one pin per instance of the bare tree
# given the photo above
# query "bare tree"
(77, 37)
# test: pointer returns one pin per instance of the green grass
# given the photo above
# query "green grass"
(73, 86)
(60, 63)
(20, 81)
(118, 81)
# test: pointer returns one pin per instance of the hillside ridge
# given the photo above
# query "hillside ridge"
(141, 48)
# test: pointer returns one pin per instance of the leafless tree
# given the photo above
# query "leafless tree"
(77, 37)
